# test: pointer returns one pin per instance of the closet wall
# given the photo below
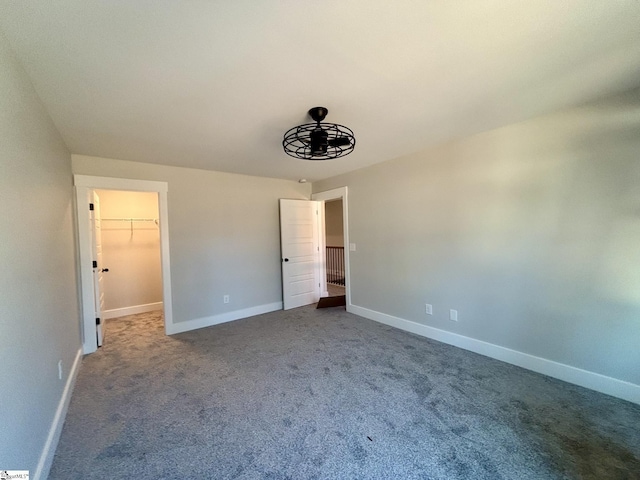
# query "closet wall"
(131, 252)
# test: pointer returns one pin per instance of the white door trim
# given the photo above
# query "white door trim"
(336, 194)
(85, 184)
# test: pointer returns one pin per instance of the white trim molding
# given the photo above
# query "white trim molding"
(584, 378)
(121, 312)
(223, 318)
(49, 449)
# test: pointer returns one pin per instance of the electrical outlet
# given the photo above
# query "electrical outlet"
(59, 369)
(453, 315)
(226, 299)
(428, 309)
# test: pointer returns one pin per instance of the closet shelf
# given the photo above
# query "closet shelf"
(129, 219)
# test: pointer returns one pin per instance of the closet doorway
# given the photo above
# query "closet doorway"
(130, 243)
(123, 301)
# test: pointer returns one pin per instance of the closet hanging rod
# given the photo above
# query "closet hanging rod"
(130, 219)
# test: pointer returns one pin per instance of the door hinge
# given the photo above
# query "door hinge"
(97, 321)
(95, 264)
(91, 206)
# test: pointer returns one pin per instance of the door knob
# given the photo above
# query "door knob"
(104, 270)
(286, 259)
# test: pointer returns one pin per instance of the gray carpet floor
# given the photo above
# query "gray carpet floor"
(325, 394)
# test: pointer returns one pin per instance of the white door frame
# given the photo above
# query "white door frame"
(336, 194)
(95, 220)
(84, 185)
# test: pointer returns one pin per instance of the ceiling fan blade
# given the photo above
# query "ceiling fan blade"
(339, 142)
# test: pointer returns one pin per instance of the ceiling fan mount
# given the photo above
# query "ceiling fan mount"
(318, 113)
(319, 141)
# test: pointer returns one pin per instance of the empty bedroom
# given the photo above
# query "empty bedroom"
(320, 240)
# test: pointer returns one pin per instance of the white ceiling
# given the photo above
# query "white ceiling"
(215, 84)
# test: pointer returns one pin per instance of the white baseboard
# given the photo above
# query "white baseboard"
(121, 312)
(49, 450)
(221, 318)
(584, 378)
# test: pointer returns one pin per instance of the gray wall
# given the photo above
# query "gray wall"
(224, 233)
(39, 318)
(532, 232)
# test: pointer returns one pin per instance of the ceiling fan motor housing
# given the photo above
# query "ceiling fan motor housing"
(319, 141)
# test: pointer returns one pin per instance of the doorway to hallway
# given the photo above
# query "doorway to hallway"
(335, 233)
(334, 247)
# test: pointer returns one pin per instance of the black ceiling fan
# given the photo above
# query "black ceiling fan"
(319, 141)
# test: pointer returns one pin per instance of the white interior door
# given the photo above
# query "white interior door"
(300, 252)
(98, 267)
